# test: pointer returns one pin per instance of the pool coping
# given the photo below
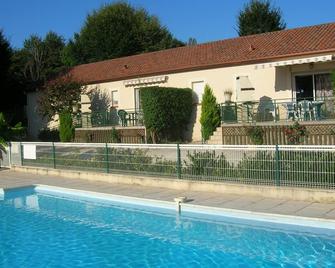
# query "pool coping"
(309, 222)
(265, 191)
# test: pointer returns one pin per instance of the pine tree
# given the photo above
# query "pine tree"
(259, 16)
(210, 113)
(66, 129)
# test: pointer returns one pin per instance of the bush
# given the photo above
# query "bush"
(115, 136)
(8, 132)
(210, 114)
(208, 164)
(166, 111)
(295, 133)
(66, 128)
(47, 134)
(256, 134)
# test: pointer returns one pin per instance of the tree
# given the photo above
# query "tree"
(192, 41)
(259, 16)
(5, 60)
(210, 117)
(41, 59)
(117, 30)
(13, 98)
(66, 128)
(59, 96)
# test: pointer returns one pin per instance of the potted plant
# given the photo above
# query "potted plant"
(227, 94)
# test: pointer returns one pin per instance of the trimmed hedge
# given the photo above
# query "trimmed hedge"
(166, 111)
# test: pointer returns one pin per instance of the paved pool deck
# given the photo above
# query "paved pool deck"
(10, 179)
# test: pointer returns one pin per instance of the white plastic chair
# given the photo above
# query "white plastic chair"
(305, 108)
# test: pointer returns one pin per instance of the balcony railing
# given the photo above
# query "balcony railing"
(125, 118)
(276, 110)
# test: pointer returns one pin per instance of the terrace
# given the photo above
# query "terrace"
(278, 110)
(114, 117)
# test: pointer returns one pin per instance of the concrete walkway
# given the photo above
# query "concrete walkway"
(10, 179)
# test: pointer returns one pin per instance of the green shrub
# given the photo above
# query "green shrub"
(166, 111)
(47, 134)
(210, 114)
(256, 134)
(208, 164)
(257, 166)
(295, 133)
(115, 136)
(66, 128)
(8, 132)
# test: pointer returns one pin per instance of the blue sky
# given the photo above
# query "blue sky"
(206, 20)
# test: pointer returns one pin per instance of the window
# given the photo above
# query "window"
(115, 98)
(198, 88)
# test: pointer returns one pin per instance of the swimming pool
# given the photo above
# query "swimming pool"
(51, 227)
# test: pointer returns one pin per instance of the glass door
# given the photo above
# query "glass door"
(304, 86)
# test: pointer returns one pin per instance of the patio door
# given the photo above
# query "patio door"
(304, 85)
(313, 86)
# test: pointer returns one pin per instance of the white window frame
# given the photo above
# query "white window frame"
(198, 99)
(112, 98)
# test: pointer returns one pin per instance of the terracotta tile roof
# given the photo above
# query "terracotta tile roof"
(229, 52)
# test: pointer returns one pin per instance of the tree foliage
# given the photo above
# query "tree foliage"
(5, 60)
(40, 58)
(66, 128)
(210, 113)
(117, 30)
(10, 83)
(166, 111)
(8, 132)
(259, 16)
(59, 96)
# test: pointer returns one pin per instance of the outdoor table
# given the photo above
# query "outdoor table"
(317, 109)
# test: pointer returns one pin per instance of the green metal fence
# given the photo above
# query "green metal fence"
(266, 109)
(295, 166)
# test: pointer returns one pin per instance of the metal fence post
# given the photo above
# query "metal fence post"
(21, 155)
(178, 162)
(275, 106)
(277, 166)
(107, 158)
(54, 155)
(10, 154)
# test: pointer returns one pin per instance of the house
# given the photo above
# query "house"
(268, 74)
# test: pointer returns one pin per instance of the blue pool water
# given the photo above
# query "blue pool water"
(43, 230)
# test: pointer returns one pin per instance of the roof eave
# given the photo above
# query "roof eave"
(212, 66)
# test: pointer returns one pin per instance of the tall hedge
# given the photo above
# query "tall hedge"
(210, 117)
(66, 128)
(166, 111)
